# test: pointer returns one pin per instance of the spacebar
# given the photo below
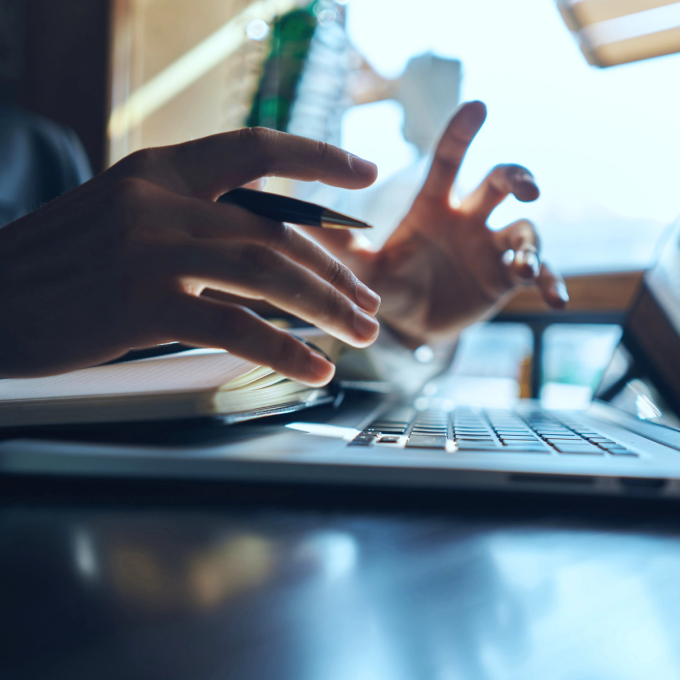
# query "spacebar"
(423, 441)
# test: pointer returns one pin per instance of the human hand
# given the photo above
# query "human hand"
(443, 268)
(120, 262)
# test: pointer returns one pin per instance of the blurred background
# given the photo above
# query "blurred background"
(582, 92)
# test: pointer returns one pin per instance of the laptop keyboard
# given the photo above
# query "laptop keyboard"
(489, 431)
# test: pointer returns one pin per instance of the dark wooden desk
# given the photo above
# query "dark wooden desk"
(211, 590)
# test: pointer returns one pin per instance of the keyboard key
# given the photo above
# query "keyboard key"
(388, 440)
(479, 446)
(518, 443)
(587, 450)
(363, 439)
(422, 441)
(526, 449)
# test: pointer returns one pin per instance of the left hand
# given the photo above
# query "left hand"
(443, 268)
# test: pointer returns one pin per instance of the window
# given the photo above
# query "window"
(603, 144)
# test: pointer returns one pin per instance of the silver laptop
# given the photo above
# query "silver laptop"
(626, 442)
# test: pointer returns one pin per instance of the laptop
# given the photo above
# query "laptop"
(626, 442)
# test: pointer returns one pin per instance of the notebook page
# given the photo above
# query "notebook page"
(162, 374)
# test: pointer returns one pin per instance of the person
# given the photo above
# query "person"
(121, 261)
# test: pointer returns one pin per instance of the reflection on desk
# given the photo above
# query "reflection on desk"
(227, 593)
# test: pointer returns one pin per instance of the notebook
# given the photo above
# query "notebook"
(196, 383)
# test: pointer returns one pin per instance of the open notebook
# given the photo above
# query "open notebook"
(196, 383)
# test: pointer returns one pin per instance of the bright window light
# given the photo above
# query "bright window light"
(603, 143)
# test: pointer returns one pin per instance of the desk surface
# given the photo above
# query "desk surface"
(217, 591)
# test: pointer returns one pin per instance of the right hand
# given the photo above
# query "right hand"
(120, 262)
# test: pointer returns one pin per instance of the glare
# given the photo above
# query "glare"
(634, 25)
(257, 29)
(359, 127)
(602, 143)
(326, 17)
(85, 555)
(646, 408)
(565, 397)
(590, 582)
(424, 354)
(323, 430)
(335, 553)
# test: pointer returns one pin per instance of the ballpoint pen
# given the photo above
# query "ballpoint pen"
(292, 210)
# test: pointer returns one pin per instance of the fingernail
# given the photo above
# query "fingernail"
(322, 369)
(527, 190)
(561, 291)
(473, 114)
(366, 326)
(362, 167)
(367, 299)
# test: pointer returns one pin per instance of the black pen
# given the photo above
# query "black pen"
(292, 210)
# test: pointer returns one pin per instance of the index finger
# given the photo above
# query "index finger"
(451, 149)
(211, 166)
(502, 181)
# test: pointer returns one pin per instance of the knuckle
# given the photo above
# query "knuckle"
(527, 235)
(140, 162)
(337, 274)
(523, 226)
(171, 256)
(130, 201)
(280, 236)
(531, 231)
(256, 260)
(259, 138)
(131, 192)
(257, 142)
(322, 150)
